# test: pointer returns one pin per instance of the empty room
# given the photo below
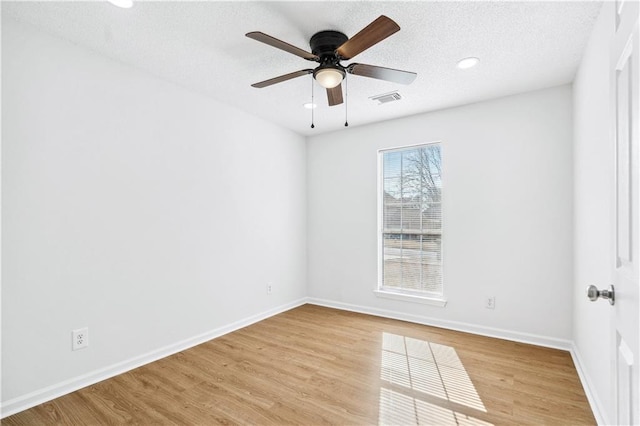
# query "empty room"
(346, 213)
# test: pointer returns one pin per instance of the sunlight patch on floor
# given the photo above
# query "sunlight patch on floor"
(399, 409)
(413, 367)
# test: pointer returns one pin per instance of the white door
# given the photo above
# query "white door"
(625, 91)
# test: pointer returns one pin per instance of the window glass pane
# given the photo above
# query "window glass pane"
(412, 219)
(392, 164)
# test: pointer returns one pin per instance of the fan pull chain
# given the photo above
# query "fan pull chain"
(346, 100)
(313, 104)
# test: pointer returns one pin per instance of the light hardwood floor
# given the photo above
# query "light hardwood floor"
(314, 365)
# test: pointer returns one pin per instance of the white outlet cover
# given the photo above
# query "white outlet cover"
(80, 338)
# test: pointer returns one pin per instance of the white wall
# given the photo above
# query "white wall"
(146, 212)
(507, 205)
(594, 151)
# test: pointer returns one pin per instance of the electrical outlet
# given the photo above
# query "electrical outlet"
(80, 338)
(269, 288)
(490, 302)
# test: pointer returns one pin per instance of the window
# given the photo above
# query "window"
(411, 222)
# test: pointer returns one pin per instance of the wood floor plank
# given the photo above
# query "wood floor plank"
(314, 365)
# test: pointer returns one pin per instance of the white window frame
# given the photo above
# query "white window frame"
(435, 299)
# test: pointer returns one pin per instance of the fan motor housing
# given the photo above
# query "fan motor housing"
(325, 43)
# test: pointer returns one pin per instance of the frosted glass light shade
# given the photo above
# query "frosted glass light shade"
(329, 77)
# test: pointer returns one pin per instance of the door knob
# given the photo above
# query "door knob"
(593, 294)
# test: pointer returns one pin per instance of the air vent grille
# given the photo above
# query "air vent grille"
(386, 97)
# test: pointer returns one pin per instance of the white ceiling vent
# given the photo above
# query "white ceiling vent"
(386, 98)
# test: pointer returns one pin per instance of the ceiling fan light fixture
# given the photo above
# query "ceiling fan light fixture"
(328, 77)
(467, 63)
(309, 105)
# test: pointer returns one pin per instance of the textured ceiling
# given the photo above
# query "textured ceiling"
(201, 46)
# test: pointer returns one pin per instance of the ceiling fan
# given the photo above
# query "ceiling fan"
(328, 48)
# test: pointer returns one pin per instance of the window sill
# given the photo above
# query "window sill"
(427, 300)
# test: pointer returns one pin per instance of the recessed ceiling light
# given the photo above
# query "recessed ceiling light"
(470, 62)
(125, 4)
(309, 105)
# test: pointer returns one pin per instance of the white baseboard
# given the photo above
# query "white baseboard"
(534, 339)
(594, 401)
(40, 396)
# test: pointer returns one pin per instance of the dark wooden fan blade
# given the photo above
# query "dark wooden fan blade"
(373, 33)
(381, 73)
(335, 95)
(281, 78)
(272, 41)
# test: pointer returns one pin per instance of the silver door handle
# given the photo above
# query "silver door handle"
(593, 294)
